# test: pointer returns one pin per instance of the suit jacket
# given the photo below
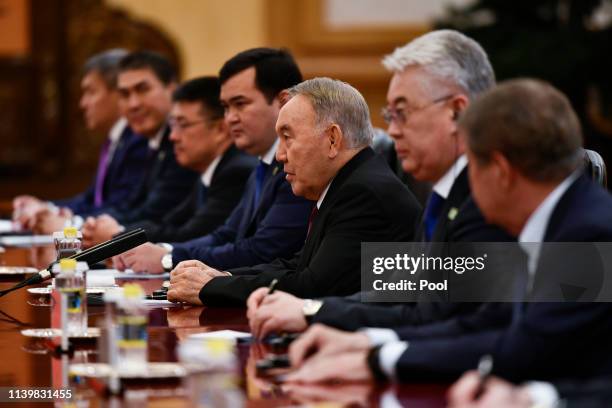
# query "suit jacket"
(543, 340)
(193, 218)
(364, 203)
(585, 393)
(166, 185)
(253, 234)
(126, 170)
(468, 225)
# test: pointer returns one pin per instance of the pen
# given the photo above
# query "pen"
(272, 286)
(485, 367)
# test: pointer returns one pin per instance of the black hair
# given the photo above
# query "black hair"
(160, 65)
(203, 89)
(106, 64)
(275, 69)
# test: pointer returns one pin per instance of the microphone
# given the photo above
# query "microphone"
(108, 249)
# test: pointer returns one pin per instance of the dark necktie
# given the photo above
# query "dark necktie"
(311, 218)
(260, 176)
(101, 174)
(201, 195)
(521, 277)
(432, 213)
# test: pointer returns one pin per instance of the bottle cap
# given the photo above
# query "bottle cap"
(132, 291)
(70, 232)
(68, 264)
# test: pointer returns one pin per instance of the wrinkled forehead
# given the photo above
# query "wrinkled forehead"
(413, 85)
(296, 112)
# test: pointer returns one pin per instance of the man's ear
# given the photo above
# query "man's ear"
(459, 103)
(335, 138)
(283, 97)
(504, 172)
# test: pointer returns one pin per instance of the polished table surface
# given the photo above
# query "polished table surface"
(27, 362)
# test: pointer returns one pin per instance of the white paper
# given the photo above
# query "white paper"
(130, 274)
(100, 278)
(6, 226)
(160, 303)
(220, 334)
(26, 240)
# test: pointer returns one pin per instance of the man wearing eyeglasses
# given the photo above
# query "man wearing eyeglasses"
(434, 79)
(201, 143)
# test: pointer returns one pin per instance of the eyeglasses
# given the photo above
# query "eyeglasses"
(401, 116)
(183, 125)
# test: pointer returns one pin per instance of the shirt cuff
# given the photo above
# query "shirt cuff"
(543, 394)
(389, 355)
(166, 246)
(379, 336)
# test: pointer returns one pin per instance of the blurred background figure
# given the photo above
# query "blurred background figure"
(121, 164)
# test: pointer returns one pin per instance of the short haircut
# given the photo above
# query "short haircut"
(160, 65)
(337, 102)
(447, 55)
(106, 64)
(204, 90)
(530, 123)
(275, 69)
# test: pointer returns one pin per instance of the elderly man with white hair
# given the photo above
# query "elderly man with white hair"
(324, 132)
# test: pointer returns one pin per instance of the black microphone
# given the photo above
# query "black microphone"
(108, 249)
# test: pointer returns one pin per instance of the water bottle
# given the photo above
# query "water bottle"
(67, 243)
(212, 367)
(70, 285)
(131, 330)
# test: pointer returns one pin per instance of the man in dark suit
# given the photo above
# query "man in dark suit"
(201, 143)
(269, 221)
(422, 124)
(146, 82)
(122, 163)
(524, 145)
(325, 133)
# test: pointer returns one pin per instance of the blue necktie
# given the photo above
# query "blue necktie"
(432, 213)
(260, 176)
(201, 195)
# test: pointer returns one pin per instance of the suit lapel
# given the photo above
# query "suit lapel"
(318, 226)
(456, 197)
(273, 171)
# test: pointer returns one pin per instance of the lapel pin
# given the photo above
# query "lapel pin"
(452, 213)
(274, 170)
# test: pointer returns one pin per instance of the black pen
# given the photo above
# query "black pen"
(485, 367)
(272, 286)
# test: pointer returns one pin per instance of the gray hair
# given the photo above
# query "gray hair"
(338, 102)
(106, 64)
(448, 55)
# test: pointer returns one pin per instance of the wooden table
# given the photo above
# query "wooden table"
(27, 363)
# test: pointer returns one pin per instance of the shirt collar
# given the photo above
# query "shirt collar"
(210, 171)
(268, 158)
(534, 229)
(115, 133)
(444, 185)
(323, 194)
(155, 141)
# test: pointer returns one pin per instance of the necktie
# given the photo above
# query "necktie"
(101, 174)
(313, 215)
(260, 175)
(201, 195)
(432, 213)
(521, 277)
